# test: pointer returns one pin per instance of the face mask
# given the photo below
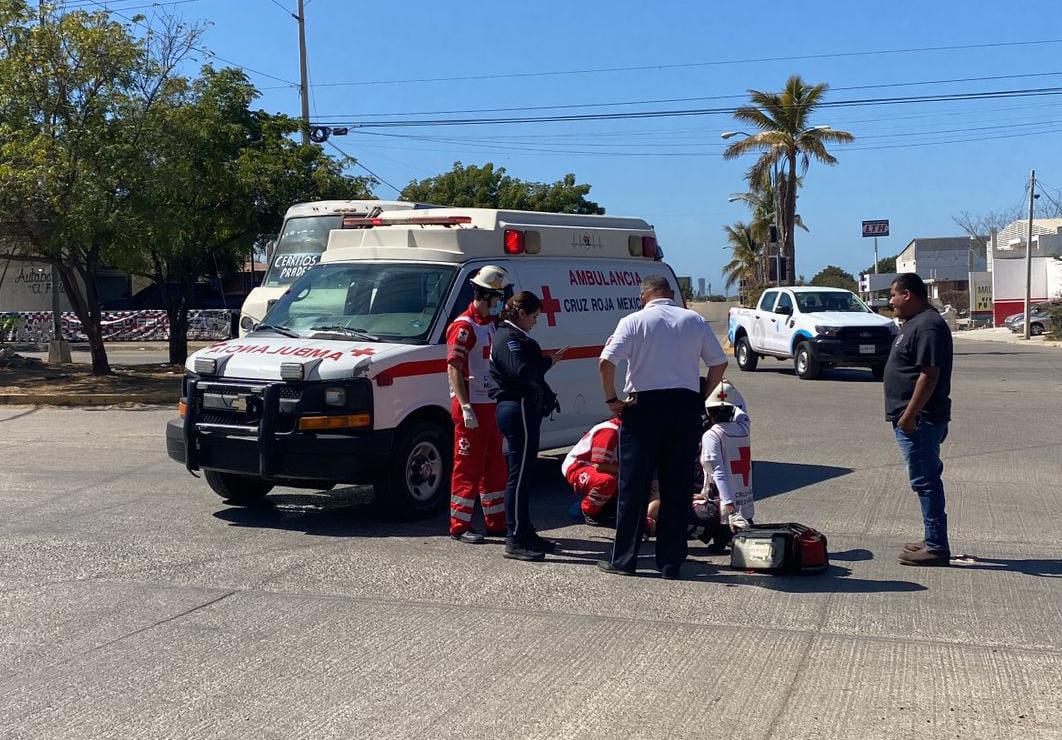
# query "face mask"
(495, 309)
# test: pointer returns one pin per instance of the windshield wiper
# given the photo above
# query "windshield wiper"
(347, 331)
(278, 329)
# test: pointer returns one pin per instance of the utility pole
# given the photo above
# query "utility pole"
(875, 255)
(304, 87)
(1028, 252)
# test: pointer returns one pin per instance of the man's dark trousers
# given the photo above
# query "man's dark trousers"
(660, 432)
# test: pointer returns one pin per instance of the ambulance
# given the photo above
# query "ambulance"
(303, 237)
(344, 381)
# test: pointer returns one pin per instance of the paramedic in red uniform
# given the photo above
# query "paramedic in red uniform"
(479, 465)
(592, 470)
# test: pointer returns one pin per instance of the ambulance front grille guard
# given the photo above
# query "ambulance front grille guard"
(269, 423)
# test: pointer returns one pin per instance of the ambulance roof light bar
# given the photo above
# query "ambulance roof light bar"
(355, 222)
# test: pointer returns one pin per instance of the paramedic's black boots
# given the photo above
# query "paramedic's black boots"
(519, 551)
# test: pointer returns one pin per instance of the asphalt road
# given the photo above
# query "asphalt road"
(135, 603)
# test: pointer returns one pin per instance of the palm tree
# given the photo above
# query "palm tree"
(785, 138)
(745, 268)
(763, 203)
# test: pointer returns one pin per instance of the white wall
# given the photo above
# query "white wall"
(27, 286)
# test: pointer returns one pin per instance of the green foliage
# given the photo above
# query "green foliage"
(885, 264)
(110, 159)
(834, 277)
(744, 268)
(490, 187)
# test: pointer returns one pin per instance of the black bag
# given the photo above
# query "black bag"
(780, 548)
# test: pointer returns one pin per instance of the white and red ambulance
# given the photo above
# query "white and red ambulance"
(345, 379)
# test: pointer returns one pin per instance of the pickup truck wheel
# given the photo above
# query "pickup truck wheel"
(242, 490)
(416, 480)
(746, 358)
(805, 364)
(878, 371)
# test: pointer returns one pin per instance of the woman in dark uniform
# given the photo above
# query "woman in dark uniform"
(518, 379)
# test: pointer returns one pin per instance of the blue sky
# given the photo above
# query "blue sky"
(684, 194)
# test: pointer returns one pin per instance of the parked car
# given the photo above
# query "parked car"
(815, 328)
(1039, 319)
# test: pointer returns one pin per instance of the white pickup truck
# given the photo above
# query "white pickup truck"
(816, 327)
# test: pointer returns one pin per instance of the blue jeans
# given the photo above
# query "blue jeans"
(921, 454)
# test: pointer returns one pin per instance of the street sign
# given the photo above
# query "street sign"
(876, 228)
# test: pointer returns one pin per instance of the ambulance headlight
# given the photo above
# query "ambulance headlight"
(335, 396)
(827, 331)
(291, 370)
(206, 366)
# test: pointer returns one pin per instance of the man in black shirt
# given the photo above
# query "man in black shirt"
(918, 403)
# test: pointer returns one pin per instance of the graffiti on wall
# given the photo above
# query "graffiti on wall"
(118, 326)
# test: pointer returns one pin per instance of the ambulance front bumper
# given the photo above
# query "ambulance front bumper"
(297, 456)
(267, 443)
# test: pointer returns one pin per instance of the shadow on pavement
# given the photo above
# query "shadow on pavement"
(841, 374)
(775, 478)
(1042, 568)
(343, 512)
(853, 555)
(836, 579)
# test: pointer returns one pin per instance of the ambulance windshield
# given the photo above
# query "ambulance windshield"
(302, 240)
(816, 301)
(392, 302)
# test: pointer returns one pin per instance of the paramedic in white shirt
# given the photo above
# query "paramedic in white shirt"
(663, 345)
(726, 457)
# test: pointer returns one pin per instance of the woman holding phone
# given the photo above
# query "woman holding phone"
(518, 384)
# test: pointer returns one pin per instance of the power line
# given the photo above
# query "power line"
(89, 3)
(357, 163)
(689, 65)
(687, 112)
(652, 101)
(200, 49)
(540, 150)
(293, 15)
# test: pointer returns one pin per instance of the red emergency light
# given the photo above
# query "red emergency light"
(514, 241)
(649, 247)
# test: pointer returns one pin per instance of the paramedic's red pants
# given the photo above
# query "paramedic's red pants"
(597, 489)
(479, 470)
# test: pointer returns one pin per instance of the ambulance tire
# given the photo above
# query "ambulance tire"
(805, 364)
(746, 358)
(241, 490)
(416, 480)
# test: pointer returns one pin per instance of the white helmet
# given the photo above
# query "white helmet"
(491, 277)
(725, 394)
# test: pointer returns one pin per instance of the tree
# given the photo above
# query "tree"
(834, 277)
(76, 89)
(490, 187)
(787, 138)
(743, 270)
(215, 176)
(885, 265)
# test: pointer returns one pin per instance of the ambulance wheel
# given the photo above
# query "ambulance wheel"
(242, 490)
(878, 371)
(416, 480)
(746, 358)
(805, 364)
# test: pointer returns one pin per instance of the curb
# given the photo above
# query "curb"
(154, 398)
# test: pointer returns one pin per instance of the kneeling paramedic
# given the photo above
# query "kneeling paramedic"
(592, 469)
(479, 466)
(725, 504)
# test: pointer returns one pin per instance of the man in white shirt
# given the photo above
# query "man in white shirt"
(663, 345)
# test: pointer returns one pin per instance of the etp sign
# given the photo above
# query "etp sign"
(876, 228)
